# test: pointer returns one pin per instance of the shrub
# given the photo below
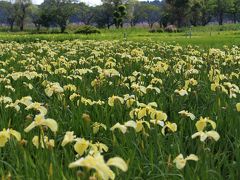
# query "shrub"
(86, 29)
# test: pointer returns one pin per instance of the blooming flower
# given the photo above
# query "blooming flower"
(181, 92)
(180, 161)
(53, 88)
(96, 127)
(40, 120)
(81, 146)
(112, 99)
(102, 168)
(68, 138)
(44, 142)
(187, 114)
(208, 134)
(170, 126)
(202, 123)
(6, 134)
(119, 126)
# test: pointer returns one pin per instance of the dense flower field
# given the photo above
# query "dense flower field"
(124, 110)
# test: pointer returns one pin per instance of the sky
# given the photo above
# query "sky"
(90, 2)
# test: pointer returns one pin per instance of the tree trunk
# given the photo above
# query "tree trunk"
(63, 29)
(234, 18)
(132, 23)
(11, 26)
(220, 18)
(38, 26)
(21, 26)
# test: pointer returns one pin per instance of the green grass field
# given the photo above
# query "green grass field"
(210, 36)
(102, 107)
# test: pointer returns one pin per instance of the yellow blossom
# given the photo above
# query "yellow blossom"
(119, 126)
(102, 168)
(68, 138)
(202, 123)
(181, 92)
(96, 127)
(81, 146)
(112, 99)
(40, 120)
(44, 142)
(180, 161)
(208, 134)
(6, 134)
(170, 126)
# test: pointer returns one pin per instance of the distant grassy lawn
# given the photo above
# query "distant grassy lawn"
(201, 37)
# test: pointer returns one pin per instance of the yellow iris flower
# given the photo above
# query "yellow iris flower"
(40, 120)
(102, 168)
(6, 134)
(171, 126)
(204, 135)
(202, 123)
(180, 161)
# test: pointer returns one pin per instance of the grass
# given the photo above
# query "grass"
(207, 37)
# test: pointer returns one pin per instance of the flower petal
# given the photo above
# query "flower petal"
(51, 123)
(118, 162)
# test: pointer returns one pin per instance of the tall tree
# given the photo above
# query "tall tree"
(21, 8)
(235, 10)
(58, 12)
(207, 11)
(179, 11)
(84, 13)
(103, 15)
(35, 14)
(8, 13)
(120, 9)
(130, 7)
(202, 11)
(119, 15)
(222, 7)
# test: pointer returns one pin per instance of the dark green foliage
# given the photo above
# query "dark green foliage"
(119, 15)
(87, 30)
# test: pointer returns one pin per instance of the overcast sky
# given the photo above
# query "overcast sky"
(90, 2)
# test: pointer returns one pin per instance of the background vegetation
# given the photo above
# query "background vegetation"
(117, 13)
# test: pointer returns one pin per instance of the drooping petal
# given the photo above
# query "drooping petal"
(213, 124)
(16, 134)
(76, 163)
(68, 138)
(213, 134)
(192, 157)
(196, 135)
(118, 162)
(131, 123)
(3, 139)
(81, 146)
(142, 112)
(119, 126)
(238, 107)
(30, 127)
(180, 161)
(51, 123)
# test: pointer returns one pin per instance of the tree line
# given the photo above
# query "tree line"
(53, 13)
